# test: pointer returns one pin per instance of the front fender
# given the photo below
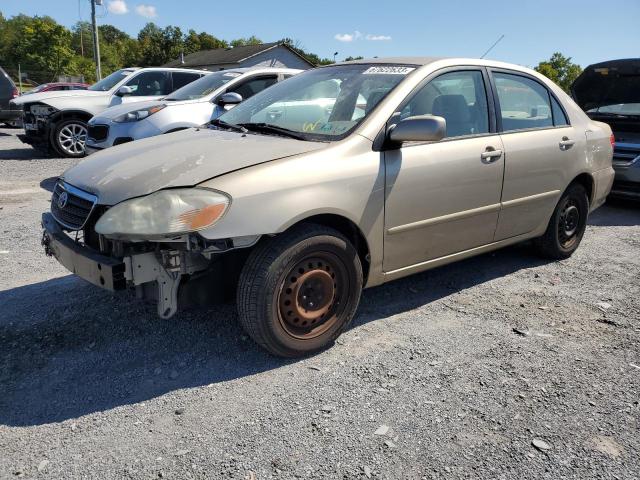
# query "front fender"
(345, 179)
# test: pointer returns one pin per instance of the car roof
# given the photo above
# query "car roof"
(441, 61)
(259, 69)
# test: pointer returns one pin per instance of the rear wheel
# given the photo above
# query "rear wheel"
(69, 137)
(567, 224)
(299, 291)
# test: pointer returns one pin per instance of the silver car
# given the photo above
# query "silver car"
(340, 178)
(191, 106)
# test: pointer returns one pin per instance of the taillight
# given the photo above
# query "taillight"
(14, 93)
(613, 140)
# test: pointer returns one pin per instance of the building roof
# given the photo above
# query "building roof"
(223, 56)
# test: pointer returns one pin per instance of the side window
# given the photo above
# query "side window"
(524, 103)
(459, 97)
(150, 84)
(559, 118)
(180, 79)
(254, 85)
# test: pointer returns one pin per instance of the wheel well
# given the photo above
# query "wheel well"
(67, 115)
(587, 182)
(349, 230)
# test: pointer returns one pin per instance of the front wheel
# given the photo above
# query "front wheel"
(69, 137)
(300, 290)
(567, 224)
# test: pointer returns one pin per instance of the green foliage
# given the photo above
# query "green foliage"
(299, 49)
(560, 69)
(45, 49)
(243, 42)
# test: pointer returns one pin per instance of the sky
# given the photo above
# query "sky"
(589, 31)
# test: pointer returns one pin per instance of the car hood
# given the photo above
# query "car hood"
(114, 112)
(44, 96)
(608, 83)
(179, 159)
(117, 110)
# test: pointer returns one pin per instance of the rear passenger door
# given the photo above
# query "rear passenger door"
(539, 144)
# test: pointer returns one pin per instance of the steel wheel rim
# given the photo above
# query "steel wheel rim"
(72, 138)
(310, 296)
(569, 223)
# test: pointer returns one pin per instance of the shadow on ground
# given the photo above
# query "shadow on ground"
(26, 153)
(616, 212)
(68, 349)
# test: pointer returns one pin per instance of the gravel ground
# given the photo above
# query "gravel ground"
(502, 366)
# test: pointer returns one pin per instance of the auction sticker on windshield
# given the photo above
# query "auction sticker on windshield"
(388, 70)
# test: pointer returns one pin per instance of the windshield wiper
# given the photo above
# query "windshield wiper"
(261, 127)
(230, 126)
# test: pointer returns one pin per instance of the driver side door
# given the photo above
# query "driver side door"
(150, 85)
(444, 197)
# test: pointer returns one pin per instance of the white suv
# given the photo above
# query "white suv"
(58, 120)
(192, 106)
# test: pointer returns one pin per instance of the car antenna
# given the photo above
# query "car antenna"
(491, 47)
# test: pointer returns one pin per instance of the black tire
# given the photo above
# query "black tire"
(277, 310)
(68, 138)
(567, 224)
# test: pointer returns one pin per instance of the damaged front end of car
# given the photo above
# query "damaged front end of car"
(37, 124)
(181, 268)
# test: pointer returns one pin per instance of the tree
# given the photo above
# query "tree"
(297, 47)
(349, 59)
(243, 42)
(560, 69)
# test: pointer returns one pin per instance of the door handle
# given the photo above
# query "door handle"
(566, 143)
(273, 114)
(490, 155)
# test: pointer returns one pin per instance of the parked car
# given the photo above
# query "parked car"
(191, 106)
(57, 86)
(610, 92)
(9, 114)
(402, 172)
(57, 121)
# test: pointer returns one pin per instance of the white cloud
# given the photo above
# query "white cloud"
(148, 11)
(350, 37)
(343, 37)
(378, 37)
(117, 7)
(347, 37)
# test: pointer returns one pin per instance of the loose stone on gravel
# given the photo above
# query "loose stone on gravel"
(382, 430)
(541, 445)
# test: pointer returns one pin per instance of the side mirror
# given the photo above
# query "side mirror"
(124, 90)
(421, 128)
(229, 98)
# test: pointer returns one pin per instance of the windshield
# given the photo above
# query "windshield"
(111, 81)
(203, 86)
(323, 104)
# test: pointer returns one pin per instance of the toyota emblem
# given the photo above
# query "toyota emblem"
(62, 200)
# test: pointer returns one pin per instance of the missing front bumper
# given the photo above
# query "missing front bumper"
(100, 270)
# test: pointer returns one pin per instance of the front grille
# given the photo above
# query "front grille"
(625, 152)
(98, 132)
(71, 206)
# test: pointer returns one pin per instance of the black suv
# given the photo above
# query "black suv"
(8, 91)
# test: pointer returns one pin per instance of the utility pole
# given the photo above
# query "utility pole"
(96, 46)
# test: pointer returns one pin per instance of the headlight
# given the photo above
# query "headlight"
(138, 115)
(164, 213)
